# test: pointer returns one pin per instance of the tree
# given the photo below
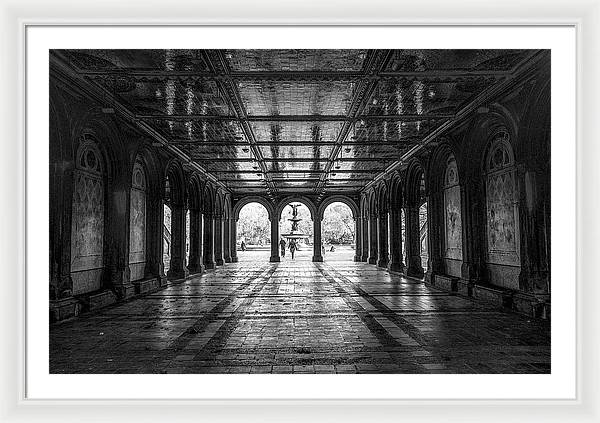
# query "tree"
(338, 224)
(253, 225)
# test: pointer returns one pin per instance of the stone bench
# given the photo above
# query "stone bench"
(445, 282)
(145, 285)
(494, 295)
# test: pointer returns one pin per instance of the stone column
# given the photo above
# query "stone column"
(382, 240)
(195, 264)
(117, 234)
(227, 240)
(177, 269)
(413, 240)
(219, 240)
(62, 303)
(317, 244)
(396, 263)
(372, 239)
(472, 208)
(209, 234)
(155, 217)
(274, 240)
(365, 238)
(358, 238)
(233, 242)
(534, 225)
(435, 235)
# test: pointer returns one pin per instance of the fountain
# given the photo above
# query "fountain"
(295, 234)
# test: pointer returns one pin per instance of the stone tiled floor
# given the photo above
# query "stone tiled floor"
(300, 317)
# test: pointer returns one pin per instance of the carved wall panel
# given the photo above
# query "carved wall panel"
(137, 226)
(87, 231)
(452, 213)
(502, 205)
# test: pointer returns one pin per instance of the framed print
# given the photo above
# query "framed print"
(286, 213)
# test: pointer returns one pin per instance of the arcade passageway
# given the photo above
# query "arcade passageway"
(301, 317)
(433, 165)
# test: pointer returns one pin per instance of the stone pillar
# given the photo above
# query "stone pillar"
(471, 209)
(117, 234)
(219, 240)
(227, 240)
(209, 248)
(382, 240)
(396, 263)
(62, 303)
(435, 235)
(233, 242)
(415, 268)
(372, 239)
(317, 244)
(534, 212)
(177, 269)
(195, 264)
(358, 238)
(365, 238)
(155, 217)
(274, 240)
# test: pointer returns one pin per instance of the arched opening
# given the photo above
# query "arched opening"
(405, 252)
(502, 213)
(338, 232)
(296, 232)
(88, 215)
(253, 233)
(137, 222)
(423, 225)
(167, 226)
(452, 219)
(187, 237)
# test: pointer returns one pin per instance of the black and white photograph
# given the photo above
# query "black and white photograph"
(293, 211)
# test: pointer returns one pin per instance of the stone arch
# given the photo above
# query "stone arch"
(381, 198)
(239, 205)
(227, 207)
(219, 203)
(502, 227)
(298, 199)
(395, 194)
(89, 217)
(413, 188)
(175, 189)
(208, 197)
(341, 199)
(372, 202)
(195, 192)
(473, 150)
(110, 143)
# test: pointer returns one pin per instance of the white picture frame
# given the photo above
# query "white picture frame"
(17, 16)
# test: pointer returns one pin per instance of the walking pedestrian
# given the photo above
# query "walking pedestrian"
(282, 247)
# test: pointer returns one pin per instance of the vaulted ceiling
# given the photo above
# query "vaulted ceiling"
(295, 121)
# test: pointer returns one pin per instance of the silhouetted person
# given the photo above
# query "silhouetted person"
(282, 247)
(243, 245)
(292, 248)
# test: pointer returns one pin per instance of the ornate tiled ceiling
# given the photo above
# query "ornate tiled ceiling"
(302, 121)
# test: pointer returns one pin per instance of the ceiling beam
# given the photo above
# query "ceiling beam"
(271, 172)
(291, 159)
(297, 118)
(485, 97)
(103, 96)
(217, 62)
(199, 143)
(364, 90)
(151, 74)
